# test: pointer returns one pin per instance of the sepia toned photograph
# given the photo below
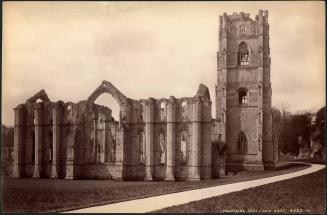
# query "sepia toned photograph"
(163, 107)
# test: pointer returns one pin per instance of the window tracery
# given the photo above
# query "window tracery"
(243, 54)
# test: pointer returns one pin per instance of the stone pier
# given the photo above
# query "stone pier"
(18, 142)
(38, 140)
(195, 152)
(171, 138)
(149, 139)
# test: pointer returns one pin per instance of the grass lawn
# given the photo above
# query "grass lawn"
(305, 194)
(46, 195)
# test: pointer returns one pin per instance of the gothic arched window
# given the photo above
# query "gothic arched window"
(163, 111)
(183, 146)
(162, 145)
(242, 96)
(243, 54)
(184, 104)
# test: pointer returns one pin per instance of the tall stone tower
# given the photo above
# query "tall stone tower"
(243, 91)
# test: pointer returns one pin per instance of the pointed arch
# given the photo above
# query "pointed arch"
(42, 95)
(163, 110)
(184, 105)
(243, 94)
(107, 87)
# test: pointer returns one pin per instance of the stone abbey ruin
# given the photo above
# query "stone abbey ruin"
(160, 139)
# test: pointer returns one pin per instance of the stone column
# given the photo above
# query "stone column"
(56, 125)
(195, 156)
(70, 149)
(206, 141)
(18, 142)
(171, 139)
(108, 138)
(38, 139)
(149, 141)
(95, 140)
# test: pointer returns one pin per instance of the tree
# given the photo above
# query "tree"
(302, 128)
(291, 131)
(7, 143)
(318, 134)
(277, 126)
(320, 122)
(288, 144)
(296, 132)
(280, 124)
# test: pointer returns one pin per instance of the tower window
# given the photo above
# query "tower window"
(243, 54)
(242, 96)
(242, 28)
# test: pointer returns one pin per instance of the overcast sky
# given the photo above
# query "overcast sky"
(150, 49)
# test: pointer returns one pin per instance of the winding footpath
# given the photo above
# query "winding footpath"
(163, 201)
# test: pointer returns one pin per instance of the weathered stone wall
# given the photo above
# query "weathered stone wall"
(164, 139)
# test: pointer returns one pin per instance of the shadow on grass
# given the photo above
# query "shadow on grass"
(289, 165)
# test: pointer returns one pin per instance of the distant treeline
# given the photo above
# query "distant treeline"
(7, 147)
(295, 132)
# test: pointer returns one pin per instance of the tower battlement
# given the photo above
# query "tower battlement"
(239, 15)
(225, 19)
